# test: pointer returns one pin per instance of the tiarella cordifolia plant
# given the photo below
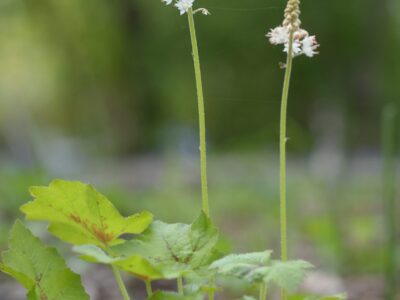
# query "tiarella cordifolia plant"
(188, 253)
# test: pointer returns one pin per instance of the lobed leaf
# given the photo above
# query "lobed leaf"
(241, 265)
(175, 248)
(257, 267)
(40, 269)
(287, 275)
(78, 214)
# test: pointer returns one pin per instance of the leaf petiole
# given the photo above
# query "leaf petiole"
(149, 289)
(120, 283)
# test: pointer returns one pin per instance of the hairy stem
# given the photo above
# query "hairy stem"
(120, 283)
(202, 119)
(180, 285)
(149, 289)
(389, 188)
(263, 291)
(283, 139)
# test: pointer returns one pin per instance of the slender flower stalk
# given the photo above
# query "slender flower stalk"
(202, 120)
(296, 42)
(282, 150)
(186, 6)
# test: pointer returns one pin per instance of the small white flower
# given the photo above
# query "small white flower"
(184, 5)
(168, 2)
(310, 44)
(204, 11)
(300, 34)
(296, 48)
(278, 35)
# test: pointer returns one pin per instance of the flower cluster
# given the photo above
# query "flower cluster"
(185, 5)
(303, 43)
(290, 31)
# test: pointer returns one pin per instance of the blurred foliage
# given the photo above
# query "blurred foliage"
(121, 71)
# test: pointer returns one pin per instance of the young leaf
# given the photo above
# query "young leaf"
(175, 248)
(241, 265)
(40, 269)
(287, 275)
(78, 214)
(174, 296)
(135, 264)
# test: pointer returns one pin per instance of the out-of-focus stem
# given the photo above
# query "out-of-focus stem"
(389, 187)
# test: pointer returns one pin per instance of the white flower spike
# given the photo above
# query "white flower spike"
(302, 43)
(184, 5)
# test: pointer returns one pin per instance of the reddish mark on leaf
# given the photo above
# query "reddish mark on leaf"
(94, 229)
(101, 235)
(43, 296)
(75, 218)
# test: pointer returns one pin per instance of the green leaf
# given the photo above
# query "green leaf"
(241, 265)
(287, 275)
(308, 297)
(257, 267)
(176, 248)
(174, 296)
(40, 269)
(135, 264)
(79, 215)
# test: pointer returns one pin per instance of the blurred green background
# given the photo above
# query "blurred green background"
(103, 91)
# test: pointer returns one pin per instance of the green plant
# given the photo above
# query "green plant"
(188, 253)
(79, 215)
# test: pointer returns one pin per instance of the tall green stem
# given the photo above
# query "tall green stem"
(180, 285)
(389, 186)
(263, 291)
(283, 139)
(202, 118)
(120, 283)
